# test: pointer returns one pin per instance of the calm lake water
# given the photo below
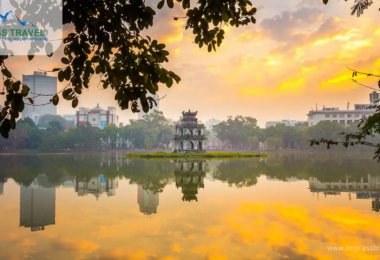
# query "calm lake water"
(107, 207)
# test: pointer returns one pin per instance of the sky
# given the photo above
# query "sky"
(294, 58)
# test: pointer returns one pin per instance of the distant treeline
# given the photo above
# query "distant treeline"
(157, 131)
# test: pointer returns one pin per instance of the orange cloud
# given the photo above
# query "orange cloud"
(249, 35)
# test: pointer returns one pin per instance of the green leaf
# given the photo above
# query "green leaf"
(24, 90)
(169, 82)
(31, 101)
(16, 86)
(170, 3)
(65, 61)
(325, 1)
(225, 16)
(14, 3)
(161, 4)
(61, 76)
(160, 46)
(6, 73)
(379, 83)
(95, 59)
(209, 48)
(30, 57)
(13, 122)
(5, 128)
(56, 69)
(55, 100)
(75, 103)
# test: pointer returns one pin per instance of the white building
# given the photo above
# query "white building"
(286, 122)
(155, 108)
(97, 117)
(46, 86)
(344, 117)
(210, 123)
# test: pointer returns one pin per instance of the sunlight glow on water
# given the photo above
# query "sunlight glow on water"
(107, 207)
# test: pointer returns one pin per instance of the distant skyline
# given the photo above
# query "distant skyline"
(294, 57)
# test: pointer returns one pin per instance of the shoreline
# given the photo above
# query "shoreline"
(206, 155)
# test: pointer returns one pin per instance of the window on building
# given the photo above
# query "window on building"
(335, 116)
(348, 116)
(342, 122)
(327, 116)
(357, 116)
(341, 116)
(349, 122)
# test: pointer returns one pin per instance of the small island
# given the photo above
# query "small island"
(189, 143)
(204, 155)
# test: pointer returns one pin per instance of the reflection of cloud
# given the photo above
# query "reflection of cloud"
(83, 246)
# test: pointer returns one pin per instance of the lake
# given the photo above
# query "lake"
(294, 206)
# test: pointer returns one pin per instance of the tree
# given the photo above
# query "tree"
(151, 131)
(45, 120)
(108, 40)
(55, 127)
(110, 132)
(274, 143)
(235, 130)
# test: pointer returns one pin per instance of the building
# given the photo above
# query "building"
(97, 186)
(210, 123)
(343, 117)
(189, 134)
(155, 107)
(147, 200)
(46, 86)
(97, 117)
(286, 122)
(37, 207)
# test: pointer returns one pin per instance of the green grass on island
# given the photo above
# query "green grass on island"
(196, 155)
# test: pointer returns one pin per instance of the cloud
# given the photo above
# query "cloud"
(358, 44)
(249, 35)
(282, 27)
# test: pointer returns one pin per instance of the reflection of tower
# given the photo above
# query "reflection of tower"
(1, 188)
(190, 177)
(96, 186)
(147, 200)
(376, 204)
(37, 207)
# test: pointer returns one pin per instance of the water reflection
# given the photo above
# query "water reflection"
(147, 200)
(96, 186)
(37, 206)
(189, 176)
(365, 187)
(240, 209)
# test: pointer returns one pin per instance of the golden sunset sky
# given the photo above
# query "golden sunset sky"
(294, 57)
